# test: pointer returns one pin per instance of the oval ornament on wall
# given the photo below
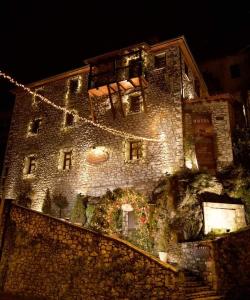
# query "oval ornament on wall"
(97, 155)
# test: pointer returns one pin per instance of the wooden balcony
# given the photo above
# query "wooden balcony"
(119, 74)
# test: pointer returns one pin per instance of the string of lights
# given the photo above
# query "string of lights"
(111, 130)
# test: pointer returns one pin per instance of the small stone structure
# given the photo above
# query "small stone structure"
(44, 257)
(223, 216)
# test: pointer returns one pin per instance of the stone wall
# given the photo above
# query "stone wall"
(231, 255)
(196, 257)
(219, 110)
(163, 120)
(224, 263)
(52, 259)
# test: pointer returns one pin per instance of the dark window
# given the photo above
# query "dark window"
(186, 68)
(135, 104)
(5, 174)
(197, 87)
(3, 182)
(135, 69)
(32, 165)
(73, 86)
(67, 161)
(235, 71)
(135, 150)
(160, 60)
(35, 126)
(69, 120)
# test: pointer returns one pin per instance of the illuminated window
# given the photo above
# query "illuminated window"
(35, 126)
(69, 120)
(67, 160)
(135, 104)
(160, 60)
(128, 218)
(73, 86)
(31, 165)
(235, 71)
(135, 150)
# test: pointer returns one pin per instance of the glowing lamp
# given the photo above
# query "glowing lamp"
(97, 155)
(127, 207)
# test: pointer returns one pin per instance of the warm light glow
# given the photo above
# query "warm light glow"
(127, 207)
(189, 164)
(97, 155)
(223, 217)
(111, 130)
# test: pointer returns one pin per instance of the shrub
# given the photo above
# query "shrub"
(47, 204)
(61, 203)
(78, 213)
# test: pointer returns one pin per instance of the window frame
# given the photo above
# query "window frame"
(73, 90)
(140, 104)
(159, 56)
(66, 123)
(67, 159)
(32, 165)
(138, 149)
(32, 126)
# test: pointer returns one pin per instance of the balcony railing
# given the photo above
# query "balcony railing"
(116, 75)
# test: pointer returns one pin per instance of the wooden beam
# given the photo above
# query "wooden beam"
(120, 99)
(92, 109)
(143, 94)
(121, 86)
(111, 102)
(112, 89)
(129, 80)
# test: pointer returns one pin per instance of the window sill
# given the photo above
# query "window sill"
(134, 113)
(29, 176)
(160, 68)
(135, 161)
(32, 134)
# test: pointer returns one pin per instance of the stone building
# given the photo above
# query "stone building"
(154, 92)
(230, 74)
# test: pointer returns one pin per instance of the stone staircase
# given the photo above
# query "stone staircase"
(196, 289)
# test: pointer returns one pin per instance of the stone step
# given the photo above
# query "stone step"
(194, 283)
(204, 294)
(197, 289)
(207, 298)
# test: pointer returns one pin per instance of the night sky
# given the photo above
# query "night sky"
(44, 38)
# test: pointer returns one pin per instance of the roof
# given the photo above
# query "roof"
(155, 48)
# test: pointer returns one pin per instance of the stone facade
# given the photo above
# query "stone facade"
(51, 259)
(219, 109)
(161, 119)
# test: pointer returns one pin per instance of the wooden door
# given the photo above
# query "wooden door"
(205, 154)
